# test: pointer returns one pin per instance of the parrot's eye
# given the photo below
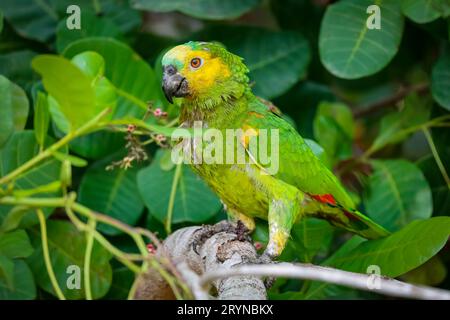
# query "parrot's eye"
(196, 63)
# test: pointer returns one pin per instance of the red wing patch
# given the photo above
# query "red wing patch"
(325, 198)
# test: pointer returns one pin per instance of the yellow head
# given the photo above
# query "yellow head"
(202, 71)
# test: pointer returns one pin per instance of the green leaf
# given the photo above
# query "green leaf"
(7, 271)
(310, 237)
(13, 109)
(67, 248)
(75, 161)
(194, 201)
(431, 273)
(41, 118)
(397, 194)
(421, 11)
(439, 188)
(31, 18)
(348, 49)
(93, 26)
(276, 60)
(15, 244)
(114, 193)
(334, 129)
(135, 82)
(123, 279)
(204, 9)
(98, 144)
(133, 77)
(1, 22)
(21, 147)
(24, 286)
(301, 103)
(16, 65)
(69, 87)
(440, 80)
(397, 126)
(395, 255)
(13, 218)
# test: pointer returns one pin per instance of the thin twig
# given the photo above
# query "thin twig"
(391, 100)
(47, 260)
(384, 285)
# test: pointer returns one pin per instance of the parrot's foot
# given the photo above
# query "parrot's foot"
(207, 231)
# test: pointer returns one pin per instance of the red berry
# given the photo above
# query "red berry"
(258, 245)
(158, 112)
(151, 248)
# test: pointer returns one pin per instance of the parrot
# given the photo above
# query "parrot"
(212, 86)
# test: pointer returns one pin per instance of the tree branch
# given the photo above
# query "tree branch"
(360, 281)
(223, 261)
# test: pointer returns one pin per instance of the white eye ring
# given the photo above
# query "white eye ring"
(196, 63)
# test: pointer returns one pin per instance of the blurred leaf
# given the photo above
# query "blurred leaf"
(276, 60)
(136, 85)
(114, 193)
(13, 109)
(21, 147)
(24, 286)
(194, 201)
(309, 237)
(98, 144)
(93, 26)
(31, 18)
(440, 80)
(334, 130)
(67, 248)
(431, 273)
(395, 255)
(397, 126)
(439, 189)
(348, 49)
(1, 21)
(16, 65)
(119, 11)
(301, 102)
(121, 284)
(69, 87)
(421, 11)
(132, 76)
(74, 161)
(15, 244)
(204, 9)
(13, 218)
(41, 117)
(6, 272)
(397, 194)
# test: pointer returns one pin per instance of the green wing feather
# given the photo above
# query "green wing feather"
(300, 167)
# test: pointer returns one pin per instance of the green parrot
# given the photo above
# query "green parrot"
(213, 88)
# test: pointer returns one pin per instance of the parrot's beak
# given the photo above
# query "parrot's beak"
(173, 83)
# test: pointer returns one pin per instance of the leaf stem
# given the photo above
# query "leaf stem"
(48, 263)
(54, 147)
(173, 191)
(87, 258)
(436, 156)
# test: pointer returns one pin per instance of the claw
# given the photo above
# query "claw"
(207, 231)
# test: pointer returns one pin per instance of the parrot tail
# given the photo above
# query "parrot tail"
(364, 226)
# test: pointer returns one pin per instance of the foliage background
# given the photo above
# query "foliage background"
(375, 102)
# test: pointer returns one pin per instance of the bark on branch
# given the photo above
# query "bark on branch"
(224, 262)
